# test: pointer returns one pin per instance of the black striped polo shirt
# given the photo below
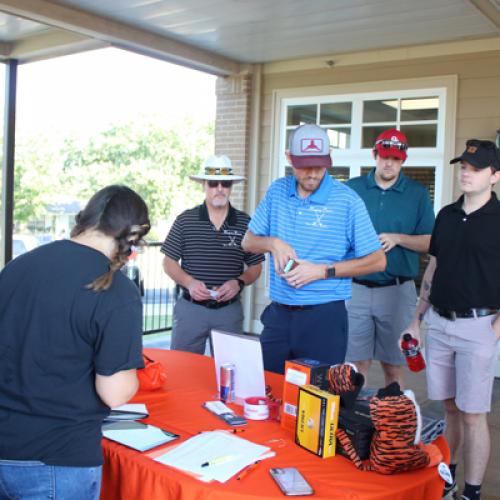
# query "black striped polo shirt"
(210, 255)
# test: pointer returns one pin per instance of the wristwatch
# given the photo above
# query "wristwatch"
(330, 272)
(241, 283)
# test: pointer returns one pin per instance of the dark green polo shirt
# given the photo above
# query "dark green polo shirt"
(403, 208)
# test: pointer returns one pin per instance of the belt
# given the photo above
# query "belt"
(373, 284)
(209, 304)
(477, 312)
(294, 307)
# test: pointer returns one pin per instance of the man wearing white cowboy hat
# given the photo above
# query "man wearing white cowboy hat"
(213, 267)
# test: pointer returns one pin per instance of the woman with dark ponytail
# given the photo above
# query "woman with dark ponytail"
(70, 343)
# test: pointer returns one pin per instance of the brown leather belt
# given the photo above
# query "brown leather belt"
(476, 312)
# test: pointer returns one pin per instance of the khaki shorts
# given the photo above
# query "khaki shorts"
(377, 316)
(461, 357)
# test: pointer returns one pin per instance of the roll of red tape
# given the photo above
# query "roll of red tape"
(256, 408)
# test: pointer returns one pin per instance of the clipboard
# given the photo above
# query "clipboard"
(137, 435)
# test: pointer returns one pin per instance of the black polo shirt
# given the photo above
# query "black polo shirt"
(210, 255)
(467, 249)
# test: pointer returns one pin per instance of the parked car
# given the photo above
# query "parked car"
(22, 243)
(132, 271)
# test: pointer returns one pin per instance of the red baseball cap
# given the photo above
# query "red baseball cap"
(391, 142)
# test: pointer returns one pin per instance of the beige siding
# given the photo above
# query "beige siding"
(478, 103)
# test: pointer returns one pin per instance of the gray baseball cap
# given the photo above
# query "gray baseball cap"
(309, 146)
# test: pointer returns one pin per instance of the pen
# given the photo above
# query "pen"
(218, 460)
(246, 470)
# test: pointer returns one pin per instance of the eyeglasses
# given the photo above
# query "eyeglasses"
(387, 144)
(224, 184)
(218, 171)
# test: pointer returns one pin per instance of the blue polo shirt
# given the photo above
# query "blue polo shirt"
(405, 208)
(328, 226)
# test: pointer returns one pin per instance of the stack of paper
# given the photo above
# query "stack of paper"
(214, 455)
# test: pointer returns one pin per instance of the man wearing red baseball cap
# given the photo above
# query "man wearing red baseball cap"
(382, 303)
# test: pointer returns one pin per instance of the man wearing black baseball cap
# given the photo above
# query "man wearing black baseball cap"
(460, 296)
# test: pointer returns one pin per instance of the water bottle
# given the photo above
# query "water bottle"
(411, 350)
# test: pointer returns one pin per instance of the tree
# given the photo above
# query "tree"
(35, 179)
(153, 161)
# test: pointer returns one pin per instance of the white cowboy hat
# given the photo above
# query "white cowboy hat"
(217, 168)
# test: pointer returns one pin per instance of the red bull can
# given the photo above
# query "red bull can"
(226, 390)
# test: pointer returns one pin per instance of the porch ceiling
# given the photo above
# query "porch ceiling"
(219, 36)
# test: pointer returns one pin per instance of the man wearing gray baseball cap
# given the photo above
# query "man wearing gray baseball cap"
(320, 235)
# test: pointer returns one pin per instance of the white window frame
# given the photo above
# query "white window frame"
(445, 88)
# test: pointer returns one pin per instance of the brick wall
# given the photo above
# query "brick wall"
(232, 127)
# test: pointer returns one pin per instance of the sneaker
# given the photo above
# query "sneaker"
(450, 490)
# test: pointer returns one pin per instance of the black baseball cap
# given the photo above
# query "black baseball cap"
(480, 154)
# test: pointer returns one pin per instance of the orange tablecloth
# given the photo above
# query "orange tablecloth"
(130, 475)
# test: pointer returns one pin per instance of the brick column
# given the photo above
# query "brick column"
(232, 123)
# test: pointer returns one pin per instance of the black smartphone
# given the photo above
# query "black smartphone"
(291, 481)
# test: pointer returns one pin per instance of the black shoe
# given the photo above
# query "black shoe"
(450, 490)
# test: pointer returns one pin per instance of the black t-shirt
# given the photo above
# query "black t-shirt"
(467, 249)
(55, 335)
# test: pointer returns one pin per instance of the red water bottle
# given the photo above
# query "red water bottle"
(411, 350)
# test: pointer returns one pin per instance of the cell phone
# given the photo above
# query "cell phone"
(225, 413)
(291, 481)
(291, 264)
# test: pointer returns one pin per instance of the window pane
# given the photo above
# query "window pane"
(340, 138)
(425, 108)
(301, 114)
(339, 173)
(420, 136)
(380, 111)
(335, 112)
(370, 134)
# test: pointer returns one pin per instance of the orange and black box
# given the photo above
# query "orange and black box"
(300, 372)
(317, 421)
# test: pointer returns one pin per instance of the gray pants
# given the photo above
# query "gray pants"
(193, 322)
(377, 317)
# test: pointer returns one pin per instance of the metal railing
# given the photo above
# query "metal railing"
(157, 289)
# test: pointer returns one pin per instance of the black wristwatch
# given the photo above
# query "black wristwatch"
(330, 272)
(241, 283)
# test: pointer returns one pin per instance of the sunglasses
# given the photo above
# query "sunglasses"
(218, 171)
(388, 144)
(224, 184)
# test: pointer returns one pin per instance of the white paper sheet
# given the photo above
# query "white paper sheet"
(229, 453)
(245, 353)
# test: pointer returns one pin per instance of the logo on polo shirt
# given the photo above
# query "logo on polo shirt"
(311, 145)
(232, 235)
(319, 214)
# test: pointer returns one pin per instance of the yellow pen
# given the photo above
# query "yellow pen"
(219, 460)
